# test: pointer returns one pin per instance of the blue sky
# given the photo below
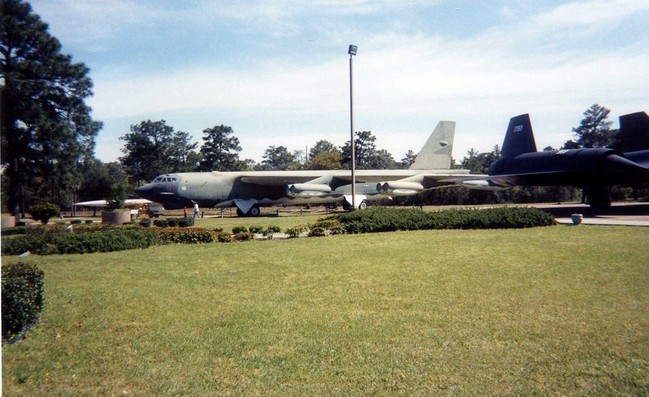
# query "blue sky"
(277, 71)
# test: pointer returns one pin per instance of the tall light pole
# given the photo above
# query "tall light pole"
(352, 51)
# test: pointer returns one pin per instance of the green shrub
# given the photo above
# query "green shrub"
(257, 229)
(239, 229)
(218, 229)
(161, 223)
(172, 222)
(12, 231)
(295, 231)
(332, 225)
(391, 219)
(146, 222)
(270, 231)
(76, 222)
(22, 297)
(89, 222)
(224, 237)
(81, 241)
(44, 212)
(243, 236)
(317, 232)
(273, 229)
(180, 235)
(186, 221)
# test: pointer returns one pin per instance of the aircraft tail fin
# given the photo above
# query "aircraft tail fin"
(634, 132)
(436, 153)
(519, 138)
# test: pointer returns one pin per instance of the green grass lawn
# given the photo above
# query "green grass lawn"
(284, 220)
(547, 311)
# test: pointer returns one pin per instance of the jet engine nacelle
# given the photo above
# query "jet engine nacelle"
(399, 188)
(482, 185)
(308, 190)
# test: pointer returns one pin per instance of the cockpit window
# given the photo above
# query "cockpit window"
(162, 179)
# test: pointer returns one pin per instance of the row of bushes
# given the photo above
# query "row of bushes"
(22, 298)
(169, 222)
(114, 238)
(88, 239)
(380, 219)
(101, 240)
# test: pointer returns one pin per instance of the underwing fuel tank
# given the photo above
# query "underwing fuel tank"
(308, 190)
(399, 188)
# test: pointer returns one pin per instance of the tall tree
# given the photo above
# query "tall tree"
(46, 125)
(324, 156)
(220, 151)
(97, 179)
(277, 158)
(409, 159)
(594, 130)
(364, 149)
(182, 153)
(479, 163)
(153, 148)
(322, 146)
(381, 160)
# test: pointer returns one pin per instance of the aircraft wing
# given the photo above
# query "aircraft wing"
(388, 182)
(104, 203)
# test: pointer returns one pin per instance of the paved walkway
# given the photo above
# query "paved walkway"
(620, 214)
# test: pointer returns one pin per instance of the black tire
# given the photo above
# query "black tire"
(254, 211)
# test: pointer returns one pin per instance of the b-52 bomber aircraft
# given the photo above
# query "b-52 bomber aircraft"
(249, 190)
(594, 169)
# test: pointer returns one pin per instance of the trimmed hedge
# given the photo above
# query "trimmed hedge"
(173, 222)
(22, 298)
(380, 219)
(83, 240)
(181, 235)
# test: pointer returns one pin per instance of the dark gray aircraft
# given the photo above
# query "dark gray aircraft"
(248, 190)
(593, 169)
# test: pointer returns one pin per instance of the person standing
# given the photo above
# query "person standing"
(197, 213)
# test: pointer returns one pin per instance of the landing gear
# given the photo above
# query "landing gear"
(597, 197)
(254, 211)
(347, 206)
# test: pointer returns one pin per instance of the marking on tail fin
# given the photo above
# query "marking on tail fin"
(436, 152)
(519, 138)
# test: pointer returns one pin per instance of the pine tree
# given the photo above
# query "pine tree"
(46, 125)
(220, 150)
(594, 131)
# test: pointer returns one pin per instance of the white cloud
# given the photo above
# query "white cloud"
(552, 64)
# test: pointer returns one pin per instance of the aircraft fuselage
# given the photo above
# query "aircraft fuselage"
(225, 189)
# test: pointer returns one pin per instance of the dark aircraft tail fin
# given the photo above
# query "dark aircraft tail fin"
(634, 133)
(436, 153)
(519, 138)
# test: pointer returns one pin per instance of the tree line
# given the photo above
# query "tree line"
(153, 147)
(48, 136)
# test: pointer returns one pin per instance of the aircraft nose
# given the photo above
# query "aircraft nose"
(144, 190)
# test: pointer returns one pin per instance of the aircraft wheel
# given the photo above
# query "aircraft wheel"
(362, 205)
(254, 211)
(346, 205)
(240, 213)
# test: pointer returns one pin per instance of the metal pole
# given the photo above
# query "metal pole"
(351, 124)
